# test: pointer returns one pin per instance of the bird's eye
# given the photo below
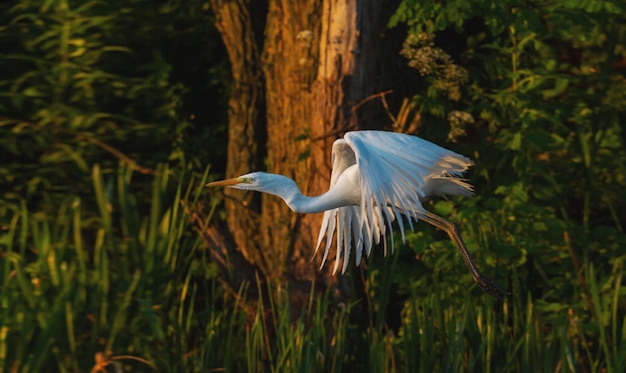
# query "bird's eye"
(248, 180)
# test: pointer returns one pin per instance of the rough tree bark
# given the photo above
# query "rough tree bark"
(294, 87)
(246, 117)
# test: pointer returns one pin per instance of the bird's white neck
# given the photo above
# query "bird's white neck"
(293, 197)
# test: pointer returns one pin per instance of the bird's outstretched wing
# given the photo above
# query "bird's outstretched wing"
(345, 220)
(396, 171)
(399, 171)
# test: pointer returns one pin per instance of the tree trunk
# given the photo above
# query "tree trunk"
(246, 120)
(319, 59)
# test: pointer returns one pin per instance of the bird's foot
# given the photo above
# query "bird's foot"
(491, 287)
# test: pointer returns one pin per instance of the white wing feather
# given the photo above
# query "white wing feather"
(396, 172)
(344, 219)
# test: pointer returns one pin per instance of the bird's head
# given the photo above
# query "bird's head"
(259, 181)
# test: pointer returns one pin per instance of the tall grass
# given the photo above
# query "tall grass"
(131, 287)
(120, 285)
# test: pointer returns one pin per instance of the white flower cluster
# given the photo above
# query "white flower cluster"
(458, 120)
(430, 60)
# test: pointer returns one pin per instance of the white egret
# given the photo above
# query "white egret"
(377, 177)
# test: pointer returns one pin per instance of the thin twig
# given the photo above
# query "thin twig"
(369, 98)
(352, 111)
(386, 106)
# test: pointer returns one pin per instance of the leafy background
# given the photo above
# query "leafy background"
(110, 111)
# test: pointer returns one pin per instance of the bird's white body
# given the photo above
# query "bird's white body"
(377, 177)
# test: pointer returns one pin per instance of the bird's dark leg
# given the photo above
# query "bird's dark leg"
(450, 228)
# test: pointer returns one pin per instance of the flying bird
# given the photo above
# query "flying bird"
(377, 177)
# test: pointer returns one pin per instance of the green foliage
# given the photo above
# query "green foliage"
(545, 83)
(75, 286)
(85, 82)
(99, 266)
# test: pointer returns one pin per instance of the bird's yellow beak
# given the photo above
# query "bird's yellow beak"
(227, 182)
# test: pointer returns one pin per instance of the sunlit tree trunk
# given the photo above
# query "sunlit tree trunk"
(315, 61)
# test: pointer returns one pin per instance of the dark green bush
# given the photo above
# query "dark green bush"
(534, 92)
(93, 82)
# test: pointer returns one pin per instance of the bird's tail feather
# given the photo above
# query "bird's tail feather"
(450, 186)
